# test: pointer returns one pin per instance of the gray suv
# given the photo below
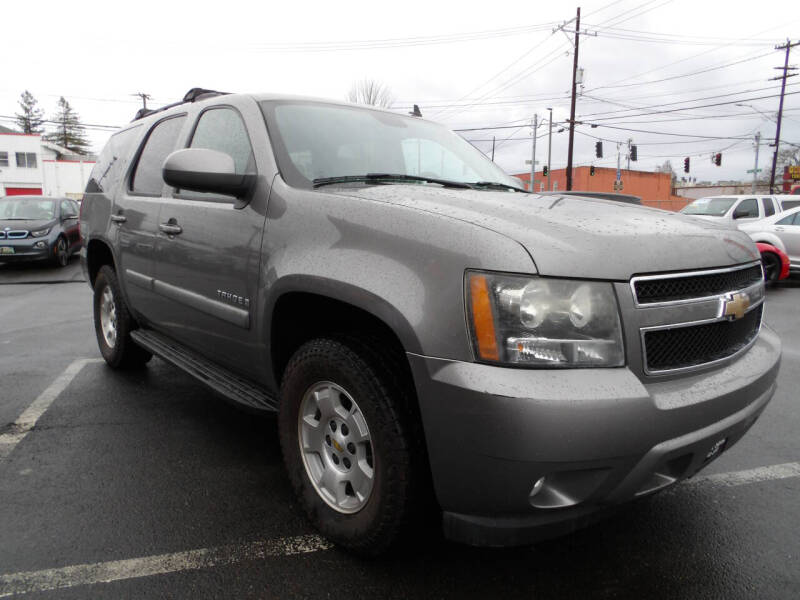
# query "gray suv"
(427, 332)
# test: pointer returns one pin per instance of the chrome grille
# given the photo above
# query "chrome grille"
(674, 287)
(682, 347)
(694, 319)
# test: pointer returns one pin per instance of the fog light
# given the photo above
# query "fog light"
(40, 244)
(537, 487)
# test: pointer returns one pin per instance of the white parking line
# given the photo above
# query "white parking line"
(203, 558)
(117, 570)
(27, 420)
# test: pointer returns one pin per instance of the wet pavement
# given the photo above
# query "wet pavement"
(145, 467)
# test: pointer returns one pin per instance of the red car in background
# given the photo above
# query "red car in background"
(775, 261)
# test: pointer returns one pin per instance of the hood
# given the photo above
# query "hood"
(569, 236)
(26, 224)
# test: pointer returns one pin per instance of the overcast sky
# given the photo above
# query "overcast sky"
(480, 64)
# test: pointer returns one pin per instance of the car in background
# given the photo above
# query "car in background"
(734, 209)
(34, 228)
(789, 200)
(775, 262)
(781, 231)
(626, 198)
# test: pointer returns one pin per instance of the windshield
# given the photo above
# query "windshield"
(314, 141)
(20, 208)
(711, 207)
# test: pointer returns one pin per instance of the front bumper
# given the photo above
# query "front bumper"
(26, 249)
(599, 437)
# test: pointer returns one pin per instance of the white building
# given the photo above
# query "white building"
(30, 165)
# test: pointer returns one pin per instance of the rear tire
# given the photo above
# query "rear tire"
(329, 383)
(772, 267)
(113, 323)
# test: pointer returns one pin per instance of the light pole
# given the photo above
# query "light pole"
(549, 149)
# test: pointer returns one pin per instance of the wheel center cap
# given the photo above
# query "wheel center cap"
(338, 446)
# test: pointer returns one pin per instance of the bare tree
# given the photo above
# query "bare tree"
(369, 91)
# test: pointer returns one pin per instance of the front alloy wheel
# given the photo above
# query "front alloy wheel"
(336, 447)
(61, 253)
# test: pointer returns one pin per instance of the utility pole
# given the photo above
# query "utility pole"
(787, 46)
(493, 138)
(572, 103)
(755, 166)
(533, 151)
(630, 141)
(549, 149)
(144, 97)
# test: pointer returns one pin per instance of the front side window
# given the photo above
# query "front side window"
(222, 129)
(748, 209)
(790, 220)
(67, 210)
(316, 140)
(147, 178)
(25, 160)
(709, 207)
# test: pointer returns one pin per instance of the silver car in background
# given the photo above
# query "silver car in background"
(782, 231)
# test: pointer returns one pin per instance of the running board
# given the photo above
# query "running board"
(232, 386)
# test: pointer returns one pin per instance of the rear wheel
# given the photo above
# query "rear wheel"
(772, 266)
(113, 323)
(345, 439)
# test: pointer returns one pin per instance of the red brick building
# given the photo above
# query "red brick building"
(655, 189)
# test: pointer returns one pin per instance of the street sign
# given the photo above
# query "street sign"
(619, 174)
(618, 186)
(527, 162)
(756, 170)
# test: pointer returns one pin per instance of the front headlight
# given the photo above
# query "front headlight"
(539, 322)
(40, 232)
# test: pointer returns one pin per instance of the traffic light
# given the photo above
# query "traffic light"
(544, 171)
(686, 165)
(718, 159)
(634, 154)
(598, 149)
(591, 170)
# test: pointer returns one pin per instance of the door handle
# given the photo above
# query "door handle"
(170, 228)
(118, 218)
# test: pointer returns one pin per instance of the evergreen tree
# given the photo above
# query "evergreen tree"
(32, 117)
(68, 131)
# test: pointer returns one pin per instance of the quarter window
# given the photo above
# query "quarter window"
(25, 160)
(147, 179)
(3, 159)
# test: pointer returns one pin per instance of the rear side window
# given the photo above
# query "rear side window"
(147, 179)
(222, 129)
(111, 163)
(769, 207)
(787, 204)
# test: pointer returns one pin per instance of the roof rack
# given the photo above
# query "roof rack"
(193, 95)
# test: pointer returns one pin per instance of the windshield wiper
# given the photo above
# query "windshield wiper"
(496, 185)
(387, 178)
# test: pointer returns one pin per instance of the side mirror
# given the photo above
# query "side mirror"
(203, 170)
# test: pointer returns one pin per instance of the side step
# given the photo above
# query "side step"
(230, 385)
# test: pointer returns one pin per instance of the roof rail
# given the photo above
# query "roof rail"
(193, 95)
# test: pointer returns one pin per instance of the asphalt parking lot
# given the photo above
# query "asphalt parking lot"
(147, 485)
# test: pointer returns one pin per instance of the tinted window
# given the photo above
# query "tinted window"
(746, 210)
(112, 160)
(790, 220)
(221, 129)
(160, 143)
(67, 210)
(769, 208)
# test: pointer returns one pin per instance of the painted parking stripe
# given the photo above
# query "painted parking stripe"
(771, 473)
(147, 566)
(203, 558)
(27, 420)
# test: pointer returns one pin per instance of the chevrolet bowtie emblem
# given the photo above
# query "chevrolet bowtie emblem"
(735, 306)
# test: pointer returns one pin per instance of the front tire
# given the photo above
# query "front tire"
(113, 323)
(345, 438)
(60, 253)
